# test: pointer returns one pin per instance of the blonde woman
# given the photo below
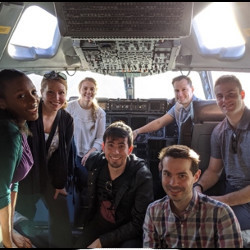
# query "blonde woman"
(50, 144)
(89, 127)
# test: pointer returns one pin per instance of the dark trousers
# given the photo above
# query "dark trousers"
(99, 226)
(60, 229)
(80, 192)
(81, 173)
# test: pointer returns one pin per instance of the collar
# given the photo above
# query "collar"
(244, 121)
(189, 209)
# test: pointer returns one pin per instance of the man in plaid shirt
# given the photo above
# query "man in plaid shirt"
(186, 218)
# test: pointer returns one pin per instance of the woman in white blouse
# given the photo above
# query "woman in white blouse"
(89, 126)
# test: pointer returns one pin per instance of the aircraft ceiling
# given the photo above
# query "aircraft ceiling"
(123, 38)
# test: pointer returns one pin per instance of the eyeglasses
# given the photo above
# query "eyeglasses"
(54, 75)
(110, 196)
(108, 186)
(234, 142)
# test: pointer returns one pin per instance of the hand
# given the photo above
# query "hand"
(21, 241)
(60, 191)
(86, 156)
(84, 159)
(9, 244)
(95, 244)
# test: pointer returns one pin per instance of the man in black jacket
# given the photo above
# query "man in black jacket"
(120, 187)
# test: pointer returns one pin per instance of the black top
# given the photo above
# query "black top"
(37, 177)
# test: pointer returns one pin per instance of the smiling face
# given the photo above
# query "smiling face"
(183, 92)
(54, 95)
(87, 91)
(21, 99)
(178, 180)
(229, 98)
(116, 152)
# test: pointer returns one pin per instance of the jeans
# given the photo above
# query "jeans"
(81, 185)
(242, 212)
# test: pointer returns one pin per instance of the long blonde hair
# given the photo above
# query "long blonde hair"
(94, 104)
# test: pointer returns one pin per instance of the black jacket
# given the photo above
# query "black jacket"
(36, 179)
(136, 193)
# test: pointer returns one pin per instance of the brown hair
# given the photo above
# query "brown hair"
(183, 152)
(119, 129)
(229, 79)
(179, 78)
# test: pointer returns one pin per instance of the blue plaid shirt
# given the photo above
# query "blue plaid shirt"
(206, 223)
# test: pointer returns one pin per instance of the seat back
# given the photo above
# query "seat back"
(185, 132)
(205, 115)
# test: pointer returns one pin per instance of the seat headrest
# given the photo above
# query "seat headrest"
(206, 110)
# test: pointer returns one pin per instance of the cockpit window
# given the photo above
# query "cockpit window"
(36, 35)
(146, 87)
(160, 86)
(217, 32)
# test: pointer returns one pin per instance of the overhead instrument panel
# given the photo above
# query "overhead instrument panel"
(100, 20)
(124, 38)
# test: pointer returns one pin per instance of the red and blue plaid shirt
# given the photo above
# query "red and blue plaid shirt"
(206, 223)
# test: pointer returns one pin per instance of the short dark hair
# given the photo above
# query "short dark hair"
(119, 129)
(228, 79)
(6, 76)
(183, 152)
(179, 78)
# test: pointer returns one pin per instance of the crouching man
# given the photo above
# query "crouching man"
(120, 187)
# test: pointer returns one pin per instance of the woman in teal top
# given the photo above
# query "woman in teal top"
(18, 103)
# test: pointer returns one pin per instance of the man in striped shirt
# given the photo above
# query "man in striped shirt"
(186, 218)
